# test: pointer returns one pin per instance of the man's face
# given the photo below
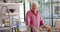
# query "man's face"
(34, 7)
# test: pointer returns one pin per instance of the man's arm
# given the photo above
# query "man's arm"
(41, 21)
(27, 21)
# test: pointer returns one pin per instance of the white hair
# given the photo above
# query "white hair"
(33, 3)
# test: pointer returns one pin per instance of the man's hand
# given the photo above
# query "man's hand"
(47, 27)
(28, 28)
(43, 26)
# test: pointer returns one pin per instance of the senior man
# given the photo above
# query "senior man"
(33, 18)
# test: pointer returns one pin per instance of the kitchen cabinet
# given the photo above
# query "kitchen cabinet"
(9, 13)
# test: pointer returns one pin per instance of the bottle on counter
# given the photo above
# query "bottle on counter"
(17, 24)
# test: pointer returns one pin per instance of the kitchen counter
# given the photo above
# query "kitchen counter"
(22, 27)
(6, 29)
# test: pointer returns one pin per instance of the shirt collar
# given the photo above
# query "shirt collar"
(34, 12)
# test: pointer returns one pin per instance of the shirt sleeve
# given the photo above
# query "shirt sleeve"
(27, 19)
(41, 21)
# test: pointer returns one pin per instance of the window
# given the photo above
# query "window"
(49, 10)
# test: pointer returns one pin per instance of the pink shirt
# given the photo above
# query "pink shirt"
(33, 19)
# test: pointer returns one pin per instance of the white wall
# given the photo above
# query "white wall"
(10, 6)
(21, 12)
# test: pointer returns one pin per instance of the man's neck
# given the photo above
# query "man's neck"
(35, 12)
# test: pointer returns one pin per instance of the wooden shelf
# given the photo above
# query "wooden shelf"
(12, 14)
(4, 28)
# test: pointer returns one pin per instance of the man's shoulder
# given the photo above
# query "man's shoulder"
(29, 11)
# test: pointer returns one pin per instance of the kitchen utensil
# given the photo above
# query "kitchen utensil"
(12, 10)
(4, 1)
(5, 22)
(4, 9)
